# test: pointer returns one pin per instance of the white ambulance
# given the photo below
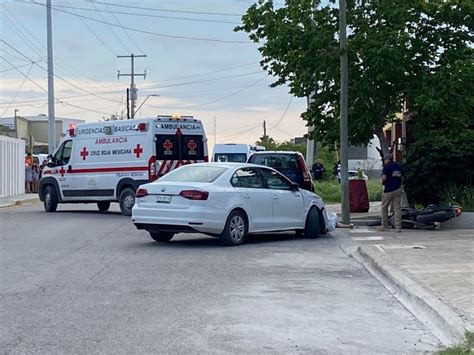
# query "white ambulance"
(105, 162)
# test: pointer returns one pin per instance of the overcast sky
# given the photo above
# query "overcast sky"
(213, 73)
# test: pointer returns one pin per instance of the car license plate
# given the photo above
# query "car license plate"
(163, 198)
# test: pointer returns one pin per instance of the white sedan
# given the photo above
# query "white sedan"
(226, 200)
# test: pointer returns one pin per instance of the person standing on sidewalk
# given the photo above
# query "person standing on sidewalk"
(392, 193)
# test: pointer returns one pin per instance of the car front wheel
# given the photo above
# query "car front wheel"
(312, 223)
(235, 229)
(50, 199)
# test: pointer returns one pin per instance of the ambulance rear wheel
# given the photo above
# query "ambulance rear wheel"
(103, 206)
(161, 237)
(126, 201)
(50, 199)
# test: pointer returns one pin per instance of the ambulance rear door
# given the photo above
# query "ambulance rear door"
(174, 150)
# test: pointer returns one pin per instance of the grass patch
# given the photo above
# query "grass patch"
(466, 347)
(330, 190)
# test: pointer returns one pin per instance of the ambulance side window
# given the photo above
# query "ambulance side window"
(67, 152)
(63, 154)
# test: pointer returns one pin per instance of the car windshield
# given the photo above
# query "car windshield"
(230, 157)
(276, 161)
(192, 173)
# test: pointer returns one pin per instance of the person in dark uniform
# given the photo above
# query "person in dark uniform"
(318, 170)
(392, 193)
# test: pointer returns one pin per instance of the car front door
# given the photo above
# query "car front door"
(256, 199)
(63, 170)
(287, 204)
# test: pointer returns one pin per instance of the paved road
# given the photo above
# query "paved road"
(77, 281)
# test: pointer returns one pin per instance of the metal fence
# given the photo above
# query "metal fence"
(12, 166)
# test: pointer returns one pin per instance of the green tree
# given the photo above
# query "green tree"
(417, 49)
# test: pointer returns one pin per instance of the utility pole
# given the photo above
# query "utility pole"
(51, 115)
(215, 131)
(265, 134)
(310, 144)
(343, 109)
(310, 141)
(132, 75)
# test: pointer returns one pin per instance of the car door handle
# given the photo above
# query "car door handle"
(247, 196)
(275, 197)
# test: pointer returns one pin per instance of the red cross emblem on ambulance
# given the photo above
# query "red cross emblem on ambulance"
(168, 145)
(192, 147)
(84, 153)
(138, 150)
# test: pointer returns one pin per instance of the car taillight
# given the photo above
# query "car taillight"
(152, 169)
(206, 159)
(194, 194)
(141, 193)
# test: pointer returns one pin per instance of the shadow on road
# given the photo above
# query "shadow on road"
(202, 241)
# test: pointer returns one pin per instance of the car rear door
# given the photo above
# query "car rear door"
(287, 204)
(249, 184)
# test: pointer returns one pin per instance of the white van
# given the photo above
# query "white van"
(234, 153)
(105, 162)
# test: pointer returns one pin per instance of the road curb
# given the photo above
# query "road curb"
(17, 202)
(445, 323)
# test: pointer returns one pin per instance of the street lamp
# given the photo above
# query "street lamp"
(139, 107)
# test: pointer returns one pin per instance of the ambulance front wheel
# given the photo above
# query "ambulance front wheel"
(50, 199)
(103, 206)
(126, 201)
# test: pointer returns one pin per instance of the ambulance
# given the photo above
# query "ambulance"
(106, 162)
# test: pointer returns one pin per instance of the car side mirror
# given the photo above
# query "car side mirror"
(294, 186)
(50, 160)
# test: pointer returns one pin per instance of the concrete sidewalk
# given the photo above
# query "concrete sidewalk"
(430, 272)
(8, 201)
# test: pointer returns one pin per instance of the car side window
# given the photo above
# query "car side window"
(247, 177)
(274, 180)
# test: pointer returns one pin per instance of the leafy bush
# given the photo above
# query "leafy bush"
(435, 163)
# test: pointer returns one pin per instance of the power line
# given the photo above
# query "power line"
(212, 72)
(213, 40)
(134, 43)
(170, 10)
(44, 90)
(94, 33)
(18, 91)
(147, 15)
(110, 28)
(221, 98)
(283, 115)
(203, 81)
(57, 76)
(41, 48)
(19, 66)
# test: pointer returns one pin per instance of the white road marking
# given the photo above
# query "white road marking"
(359, 239)
(361, 230)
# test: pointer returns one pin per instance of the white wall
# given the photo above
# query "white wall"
(12, 166)
(372, 162)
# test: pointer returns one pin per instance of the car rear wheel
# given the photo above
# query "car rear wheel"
(235, 229)
(50, 199)
(161, 237)
(312, 223)
(126, 201)
(103, 206)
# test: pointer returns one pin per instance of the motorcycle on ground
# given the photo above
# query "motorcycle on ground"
(429, 217)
